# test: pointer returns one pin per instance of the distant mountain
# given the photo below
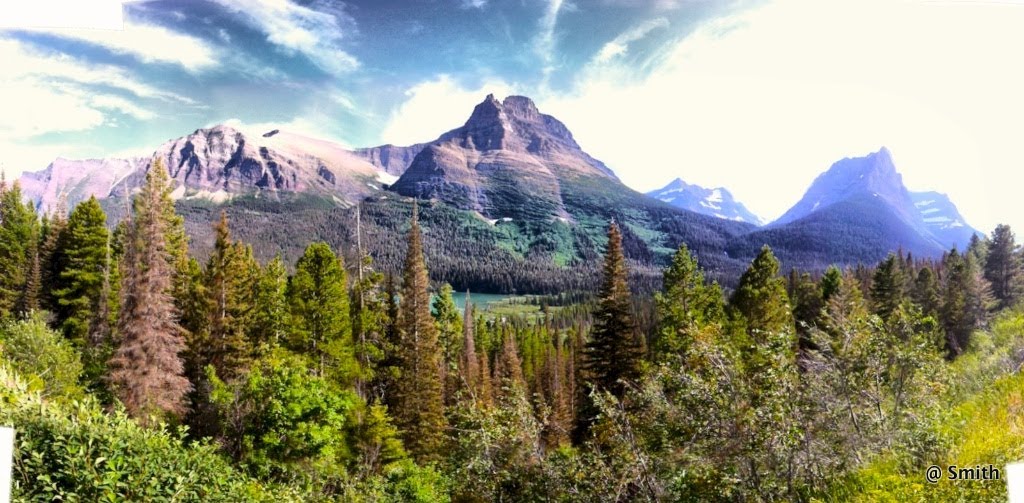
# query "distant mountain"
(217, 164)
(873, 175)
(716, 202)
(857, 211)
(220, 163)
(76, 180)
(943, 219)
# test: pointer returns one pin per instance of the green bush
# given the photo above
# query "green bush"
(76, 452)
(42, 357)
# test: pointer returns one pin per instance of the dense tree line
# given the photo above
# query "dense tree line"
(344, 373)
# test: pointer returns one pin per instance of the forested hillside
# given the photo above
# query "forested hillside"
(135, 368)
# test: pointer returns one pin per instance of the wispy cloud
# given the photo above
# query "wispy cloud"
(545, 44)
(149, 43)
(620, 44)
(473, 4)
(316, 31)
(434, 106)
(46, 93)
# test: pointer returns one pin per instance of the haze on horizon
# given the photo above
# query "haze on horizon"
(758, 97)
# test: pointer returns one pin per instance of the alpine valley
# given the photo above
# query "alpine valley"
(509, 202)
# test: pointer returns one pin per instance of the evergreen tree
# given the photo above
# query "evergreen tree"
(271, 314)
(81, 280)
(146, 371)
(508, 372)
(318, 295)
(925, 292)
(469, 361)
(1003, 266)
(449, 331)
(684, 304)
(830, 283)
(419, 409)
(887, 287)
(230, 275)
(761, 296)
(612, 354)
(369, 327)
(18, 231)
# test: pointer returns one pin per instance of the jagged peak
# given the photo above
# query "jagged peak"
(521, 107)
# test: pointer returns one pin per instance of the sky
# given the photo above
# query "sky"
(756, 96)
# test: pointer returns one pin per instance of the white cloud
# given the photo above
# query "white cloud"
(546, 41)
(436, 106)
(54, 93)
(620, 44)
(474, 4)
(149, 43)
(316, 34)
(764, 100)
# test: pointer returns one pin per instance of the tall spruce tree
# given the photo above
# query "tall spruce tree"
(80, 281)
(146, 370)
(318, 295)
(469, 362)
(230, 276)
(1003, 266)
(418, 393)
(612, 355)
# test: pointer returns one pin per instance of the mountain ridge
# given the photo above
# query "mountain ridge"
(716, 202)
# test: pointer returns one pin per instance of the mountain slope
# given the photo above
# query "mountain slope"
(943, 219)
(856, 211)
(76, 180)
(717, 202)
(871, 175)
(220, 163)
(522, 170)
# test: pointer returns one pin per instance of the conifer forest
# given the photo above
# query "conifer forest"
(135, 371)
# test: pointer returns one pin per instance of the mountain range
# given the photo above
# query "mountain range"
(509, 202)
(717, 202)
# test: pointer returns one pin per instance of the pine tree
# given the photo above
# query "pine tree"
(830, 283)
(761, 296)
(81, 279)
(925, 292)
(469, 361)
(449, 330)
(18, 231)
(685, 304)
(1003, 267)
(146, 371)
(887, 287)
(611, 357)
(230, 275)
(271, 313)
(318, 295)
(419, 410)
(508, 371)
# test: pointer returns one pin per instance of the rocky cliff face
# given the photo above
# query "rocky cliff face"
(220, 162)
(507, 161)
(392, 159)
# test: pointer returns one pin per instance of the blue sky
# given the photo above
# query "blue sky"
(757, 96)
